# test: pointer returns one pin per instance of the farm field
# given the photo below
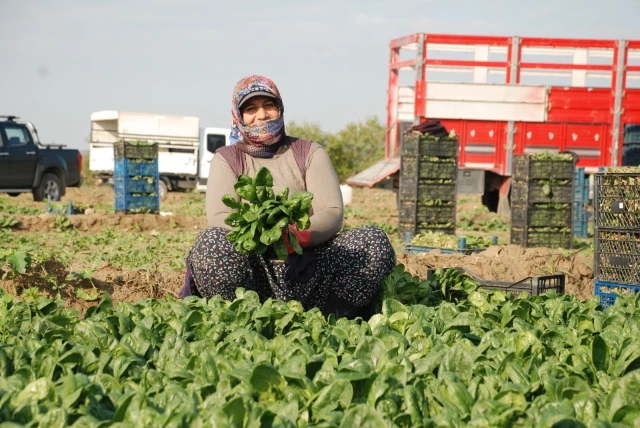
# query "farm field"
(142, 256)
(119, 349)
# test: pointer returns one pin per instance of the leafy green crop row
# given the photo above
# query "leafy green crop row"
(134, 250)
(482, 359)
(443, 240)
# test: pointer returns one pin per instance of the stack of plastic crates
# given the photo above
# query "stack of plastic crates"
(580, 198)
(542, 201)
(617, 233)
(428, 175)
(136, 177)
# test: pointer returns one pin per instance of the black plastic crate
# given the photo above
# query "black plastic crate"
(534, 285)
(131, 150)
(526, 168)
(430, 167)
(542, 215)
(617, 200)
(427, 190)
(617, 255)
(414, 143)
(537, 192)
(551, 239)
(437, 214)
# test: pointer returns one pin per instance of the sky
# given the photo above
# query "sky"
(64, 59)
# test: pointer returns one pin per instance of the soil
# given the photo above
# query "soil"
(94, 222)
(512, 263)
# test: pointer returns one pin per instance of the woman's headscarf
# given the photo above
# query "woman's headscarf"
(258, 135)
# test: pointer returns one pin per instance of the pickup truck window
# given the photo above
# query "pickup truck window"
(16, 135)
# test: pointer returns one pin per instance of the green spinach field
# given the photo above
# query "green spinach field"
(92, 334)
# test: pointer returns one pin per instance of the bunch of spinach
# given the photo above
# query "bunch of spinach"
(260, 222)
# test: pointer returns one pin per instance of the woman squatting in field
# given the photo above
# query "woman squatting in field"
(338, 273)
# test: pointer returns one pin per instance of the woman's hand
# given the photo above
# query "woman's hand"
(303, 236)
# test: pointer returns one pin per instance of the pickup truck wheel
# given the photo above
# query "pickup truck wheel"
(164, 189)
(50, 187)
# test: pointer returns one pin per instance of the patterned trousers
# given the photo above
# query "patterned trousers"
(347, 279)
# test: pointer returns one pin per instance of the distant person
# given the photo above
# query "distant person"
(338, 273)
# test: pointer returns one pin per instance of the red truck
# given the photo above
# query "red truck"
(512, 95)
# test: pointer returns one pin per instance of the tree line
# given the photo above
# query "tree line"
(352, 149)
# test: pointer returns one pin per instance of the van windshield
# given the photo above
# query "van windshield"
(215, 141)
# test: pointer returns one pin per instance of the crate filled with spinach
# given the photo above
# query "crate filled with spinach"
(550, 237)
(416, 143)
(549, 191)
(135, 150)
(543, 200)
(543, 165)
(430, 167)
(541, 215)
(617, 255)
(617, 198)
(136, 177)
(428, 183)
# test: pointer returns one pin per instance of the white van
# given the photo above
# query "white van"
(184, 149)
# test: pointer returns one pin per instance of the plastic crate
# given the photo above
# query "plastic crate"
(580, 186)
(580, 222)
(416, 144)
(617, 255)
(534, 285)
(632, 137)
(526, 168)
(528, 215)
(133, 185)
(552, 239)
(129, 150)
(136, 185)
(131, 168)
(422, 167)
(408, 211)
(605, 289)
(581, 193)
(581, 229)
(422, 190)
(128, 202)
(523, 192)
(617, 200)
(631, 154)
(68, 208)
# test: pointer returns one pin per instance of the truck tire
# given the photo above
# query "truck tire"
(164, 189)
(50, 187)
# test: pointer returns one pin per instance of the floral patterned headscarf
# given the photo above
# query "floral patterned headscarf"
(259, 135)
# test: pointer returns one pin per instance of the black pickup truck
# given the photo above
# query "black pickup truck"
(26, 165)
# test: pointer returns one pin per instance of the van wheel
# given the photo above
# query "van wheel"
(50, 188)
(164, 189)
